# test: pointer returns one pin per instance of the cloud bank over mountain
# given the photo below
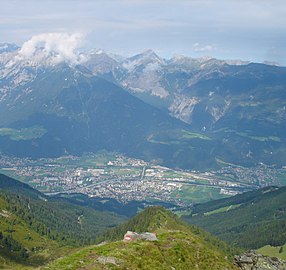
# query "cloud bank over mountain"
(251, 30)
(57, 46)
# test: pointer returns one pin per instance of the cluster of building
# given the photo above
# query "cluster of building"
(258, 176)
(135, 190)
(126, 179)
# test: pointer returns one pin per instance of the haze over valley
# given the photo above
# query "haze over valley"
(62, 104)
(142, 135)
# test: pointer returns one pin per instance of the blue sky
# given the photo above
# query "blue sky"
(252, 30)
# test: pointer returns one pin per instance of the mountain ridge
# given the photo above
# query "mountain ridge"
(177, 246)
(161, 103)
(251, 220)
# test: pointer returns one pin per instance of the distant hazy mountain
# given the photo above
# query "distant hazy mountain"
(8, 47)
(240, 104)
(190, 87)
(182, 112)
(55, 109)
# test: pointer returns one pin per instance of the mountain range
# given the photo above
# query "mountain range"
(182, 112)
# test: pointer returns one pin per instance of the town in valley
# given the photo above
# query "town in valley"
(113, 175)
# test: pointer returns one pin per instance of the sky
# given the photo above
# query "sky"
(252, 30)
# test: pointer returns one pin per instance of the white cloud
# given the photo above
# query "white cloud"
(199, 48)
(245, 29)
(57, 47)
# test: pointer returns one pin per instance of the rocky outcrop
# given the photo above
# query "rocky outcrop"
(108, 260)
(147, 236)
(251, 260)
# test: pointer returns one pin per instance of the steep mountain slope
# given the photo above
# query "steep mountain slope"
(240, 105)
(251, 220)
(245, 107)
(34, 227)
(229, 110)
(21, 244)
(186, 84)
(177, 247)
(8, 184)
(60, 109)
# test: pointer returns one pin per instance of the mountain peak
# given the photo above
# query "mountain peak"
(52, 57)
(174, 246)
(146, 55)
(97, 51)
(8, 47)
(143, 59)
(149, 53)
(151, 219)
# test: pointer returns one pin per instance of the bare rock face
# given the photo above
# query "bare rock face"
(147, 236)
(108, 260)
(254, 261)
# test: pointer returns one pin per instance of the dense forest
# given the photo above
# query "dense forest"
(31, 222)
(249, 220)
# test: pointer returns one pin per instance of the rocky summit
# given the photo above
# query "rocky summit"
(251, 260)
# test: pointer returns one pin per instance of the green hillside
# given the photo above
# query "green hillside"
(250, 220)
(279, 251)
(35, 228)
(19, 242)
(178, 246)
